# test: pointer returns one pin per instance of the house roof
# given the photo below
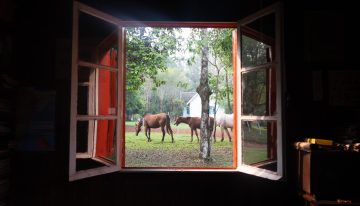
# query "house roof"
(187, 96)
(192, 98)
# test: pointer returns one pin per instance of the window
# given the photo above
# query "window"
(187, 109)
(97, 130)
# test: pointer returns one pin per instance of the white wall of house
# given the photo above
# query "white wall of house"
(194, 107)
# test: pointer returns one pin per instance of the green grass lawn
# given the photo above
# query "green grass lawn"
(182, 153)
(130, 123)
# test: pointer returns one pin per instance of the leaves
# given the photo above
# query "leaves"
(147, 51)
(220, 59)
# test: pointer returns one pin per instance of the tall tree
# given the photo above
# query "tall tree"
(220, 44)
(134, 104)
(147, 52)
(204, 91)
(220, 59)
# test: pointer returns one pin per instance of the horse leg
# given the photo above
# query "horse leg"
(227, 131)
(197, 135)
(149, 139)
(192, 132)
(170, 132)
(146, 134)
(222, 133)
(214, 134)
(172, 136)
(163, 134)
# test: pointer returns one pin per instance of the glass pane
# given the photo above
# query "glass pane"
(87, 163)
(255, 92)
(97, 41)
(107, 92)
(259, 144)
(83, 90)
(264, 25)
(82, 135)
(106, 139)
(103, 131)
(97, 97)
(253, 52)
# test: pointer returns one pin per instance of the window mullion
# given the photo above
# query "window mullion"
(74, 92)
(98, 66)
(258, 67)
(279, 80)
(120, 131)
(253, 117)
(96, 117)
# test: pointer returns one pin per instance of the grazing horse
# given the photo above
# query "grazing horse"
(154, 121)
(225, 121)
(194, 124)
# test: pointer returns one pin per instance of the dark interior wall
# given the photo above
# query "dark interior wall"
(317, 36)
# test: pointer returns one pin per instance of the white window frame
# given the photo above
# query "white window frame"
(120, 118)
(75, 117)
(277, 64)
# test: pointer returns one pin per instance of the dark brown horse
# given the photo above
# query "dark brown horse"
(194, 124)
(154, 121)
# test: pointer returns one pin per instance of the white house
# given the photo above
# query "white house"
(193, 107)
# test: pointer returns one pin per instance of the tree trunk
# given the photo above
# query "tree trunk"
(228, 92)
(204, 91)
(216, 100)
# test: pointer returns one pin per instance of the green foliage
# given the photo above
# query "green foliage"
(134, 104)
(147, 50)
(254, 93)
(166, 96)
(253, 52)
(220, 47)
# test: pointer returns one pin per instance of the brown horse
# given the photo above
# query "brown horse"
(154, 121)
(194, 124)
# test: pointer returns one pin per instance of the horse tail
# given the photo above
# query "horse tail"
(168, 127)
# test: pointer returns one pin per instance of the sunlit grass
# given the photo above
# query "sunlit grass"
(182, 153)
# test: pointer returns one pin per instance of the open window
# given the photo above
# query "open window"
(259, 94)
(98, 91)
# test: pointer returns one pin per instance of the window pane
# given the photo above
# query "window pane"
(97, 41)
(84, 86)
(259, 144)
(107, 90)
(106, 139)
(101, 131)
(264, 25)
(97, 89)
(82, 135)
(253, 52)
(87, 163)
(255, 92)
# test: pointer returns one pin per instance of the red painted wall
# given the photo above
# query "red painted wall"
(107, 102)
